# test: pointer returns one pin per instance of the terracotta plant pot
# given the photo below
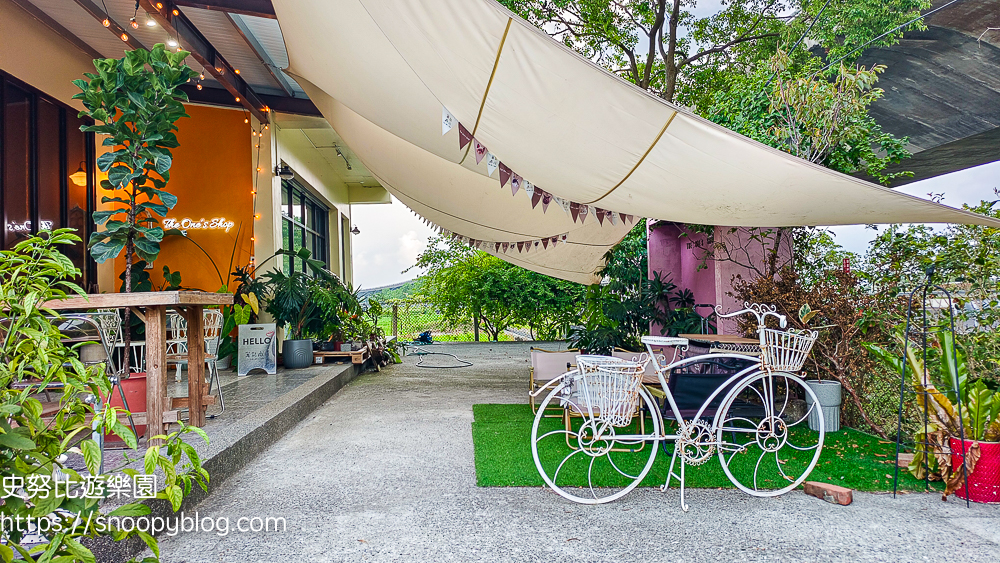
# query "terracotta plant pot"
(984, 482)
(135, 393)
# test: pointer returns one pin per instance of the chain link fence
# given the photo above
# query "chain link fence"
(407, 319)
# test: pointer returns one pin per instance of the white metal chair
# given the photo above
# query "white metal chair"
(177, 346)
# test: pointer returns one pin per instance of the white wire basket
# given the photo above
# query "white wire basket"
(608, 388)
(786, 350)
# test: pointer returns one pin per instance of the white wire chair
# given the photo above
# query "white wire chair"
(177, 346)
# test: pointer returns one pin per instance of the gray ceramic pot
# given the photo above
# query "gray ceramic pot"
(297, 353)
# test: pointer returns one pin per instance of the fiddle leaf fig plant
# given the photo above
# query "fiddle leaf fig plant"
(135, 102)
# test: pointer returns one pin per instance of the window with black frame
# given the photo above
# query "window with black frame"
(46, 171)
(303, 225)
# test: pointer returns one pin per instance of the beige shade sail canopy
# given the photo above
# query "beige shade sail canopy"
(383, 71)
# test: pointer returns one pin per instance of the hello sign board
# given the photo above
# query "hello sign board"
(257, 347)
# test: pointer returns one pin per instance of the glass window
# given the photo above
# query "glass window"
(16, 164)
(42, 149)
(303, 226)
(50, 176)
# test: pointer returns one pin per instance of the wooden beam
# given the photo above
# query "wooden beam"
(58, 29)
(113, 26)
(259, 8)
(177, 24)
(280, 104)
(261, 53)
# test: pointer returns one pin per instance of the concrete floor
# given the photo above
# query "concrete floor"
(384, 471)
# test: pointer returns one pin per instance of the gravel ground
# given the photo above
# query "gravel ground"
(384, 472)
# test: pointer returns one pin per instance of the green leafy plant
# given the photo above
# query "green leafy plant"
(36, 440)
(308, 304)
(980, 407)
(135, 101)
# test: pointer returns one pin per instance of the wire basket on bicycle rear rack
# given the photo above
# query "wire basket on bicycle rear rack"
(609, 388)
(786, 350)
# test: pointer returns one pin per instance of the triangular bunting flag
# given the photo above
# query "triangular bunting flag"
(536, 196)
(564, 237)
(562, 203)
(584, 211)
(600, 216)
(447, 120)
(464, 137)
(555, 241)
(492, 163)
(629, 218)
(505, 246)
(528, 188)
(574, 210)
(480, 150)
(545, 243)
(520, 246)
(546, 200)
(496, 247)
(515, 183)
(504, 174)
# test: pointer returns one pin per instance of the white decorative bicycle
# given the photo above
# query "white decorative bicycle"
(601, 448)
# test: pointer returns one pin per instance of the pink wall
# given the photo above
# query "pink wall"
(679, 258)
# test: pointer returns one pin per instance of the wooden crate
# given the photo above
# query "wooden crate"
(356, 357)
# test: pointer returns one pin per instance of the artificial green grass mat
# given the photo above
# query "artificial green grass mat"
(501, 435)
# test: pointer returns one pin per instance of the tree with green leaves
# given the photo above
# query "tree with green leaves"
(676, 51)
(465, 283)
(136, 101)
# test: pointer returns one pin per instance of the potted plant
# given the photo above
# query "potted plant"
(306, 304)
(979, 421)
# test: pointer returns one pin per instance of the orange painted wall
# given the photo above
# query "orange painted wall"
(211, 177)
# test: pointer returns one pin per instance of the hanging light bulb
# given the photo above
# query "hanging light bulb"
(150, 22)
(202, 76)
(133, 23)
(246, 120)
(171, 42)
(266, 127)
(124, 37)
(237, 98)
(198, 86)
(159, 5)
(175, 12)
(106, 22)
(237, 71)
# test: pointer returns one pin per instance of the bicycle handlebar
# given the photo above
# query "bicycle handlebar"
(758, 310)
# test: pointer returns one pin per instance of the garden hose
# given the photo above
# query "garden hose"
(420, 362)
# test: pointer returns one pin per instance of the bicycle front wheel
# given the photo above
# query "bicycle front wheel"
(766, 446)
(590, 462)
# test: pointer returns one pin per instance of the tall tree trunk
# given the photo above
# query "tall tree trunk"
(670, 65)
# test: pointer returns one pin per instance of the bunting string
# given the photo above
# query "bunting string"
(536, 195)
(520, 246)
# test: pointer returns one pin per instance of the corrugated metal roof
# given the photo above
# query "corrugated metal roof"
(226, 39)
(267, 32)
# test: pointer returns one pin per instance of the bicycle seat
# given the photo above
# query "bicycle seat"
(664, 341)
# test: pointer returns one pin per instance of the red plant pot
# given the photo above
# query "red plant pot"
(135, 393)
(984, 482)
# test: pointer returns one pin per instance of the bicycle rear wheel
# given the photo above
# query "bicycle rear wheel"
(591, 462)
(766, 446)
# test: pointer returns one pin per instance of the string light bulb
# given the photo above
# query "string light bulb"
(150, 22)
(198, 86)
(175, 12)
(106, 22)
(159, 5)
(237, 98)
(237, 71)
(245, 120)
(266, 127)
(124, 37)
(256, 216)
(202, 76)
(133, 23)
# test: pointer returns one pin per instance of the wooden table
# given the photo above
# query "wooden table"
(151, 307)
